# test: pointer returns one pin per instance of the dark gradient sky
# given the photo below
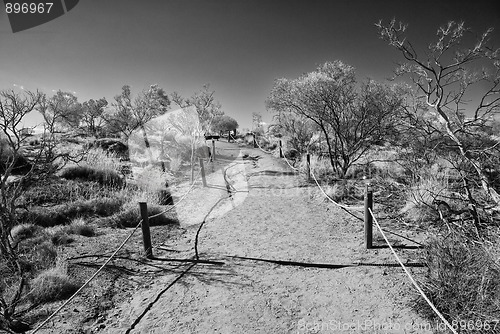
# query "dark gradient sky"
(238, 46)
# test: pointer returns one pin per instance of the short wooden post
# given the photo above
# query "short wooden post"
(213, 150)
(254, 141)
(308, 158)
(203, 178)
(146, 234)
(228, 187)
(281, 150)
(209, 153)
(368, 218)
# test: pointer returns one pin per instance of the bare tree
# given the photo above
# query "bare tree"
(447, 74)
(41, 162)
(64, 110)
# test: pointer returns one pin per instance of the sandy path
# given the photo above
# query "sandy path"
(246, 296)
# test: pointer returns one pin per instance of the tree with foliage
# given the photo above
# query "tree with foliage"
(448, 74)
(351, 119)
(37, 164)
(206, 106)
(130, 114)
(64, 109)
(224, 124)
(92, 119)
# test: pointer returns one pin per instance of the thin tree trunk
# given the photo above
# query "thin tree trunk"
(485, 184)
(332, 161)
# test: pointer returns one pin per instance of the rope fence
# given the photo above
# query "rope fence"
(410, 276)
(368, 219)
(60, 308)
(141, 223)
(369, 240)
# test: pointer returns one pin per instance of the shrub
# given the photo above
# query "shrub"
(79, 227)
(463, 282)
(59, 235)
(105, 177)
(52, 285)
(57, 191)
(64, 213)
(24, 231)
(98, 158)
(38, 253)
(419, 207)
(176, 163)
(320, 167)
(342, 190)
(131, 216)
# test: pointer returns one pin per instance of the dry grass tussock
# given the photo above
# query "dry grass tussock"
(98, 166)
(420, 196)
(52, 285)
(320, 167)
(463, 282)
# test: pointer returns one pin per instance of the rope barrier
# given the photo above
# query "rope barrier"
(346, 209)
(286, 160)
(411, 278)
(111, 257)
(343, 207)
(402, 236)
(88, 280)
(268, 152)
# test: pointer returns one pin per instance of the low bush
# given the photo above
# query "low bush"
(37, 253)
(342, 191)
(52, 285)
(80, 227)
(421, 195)
(105, 177)
(463, 282)
(59, 235)
(24, 231)
(64, 213)
(131, 216)
(320, 167)
(57, 191)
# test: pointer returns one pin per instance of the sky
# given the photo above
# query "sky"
(239, 47)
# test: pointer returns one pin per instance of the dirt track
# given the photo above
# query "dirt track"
(249, 296)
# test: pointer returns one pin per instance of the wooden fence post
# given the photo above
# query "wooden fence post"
(281, 149)
(308, 158)
(368, 218)
(213, 150)
(203, 173)
(146, 234)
